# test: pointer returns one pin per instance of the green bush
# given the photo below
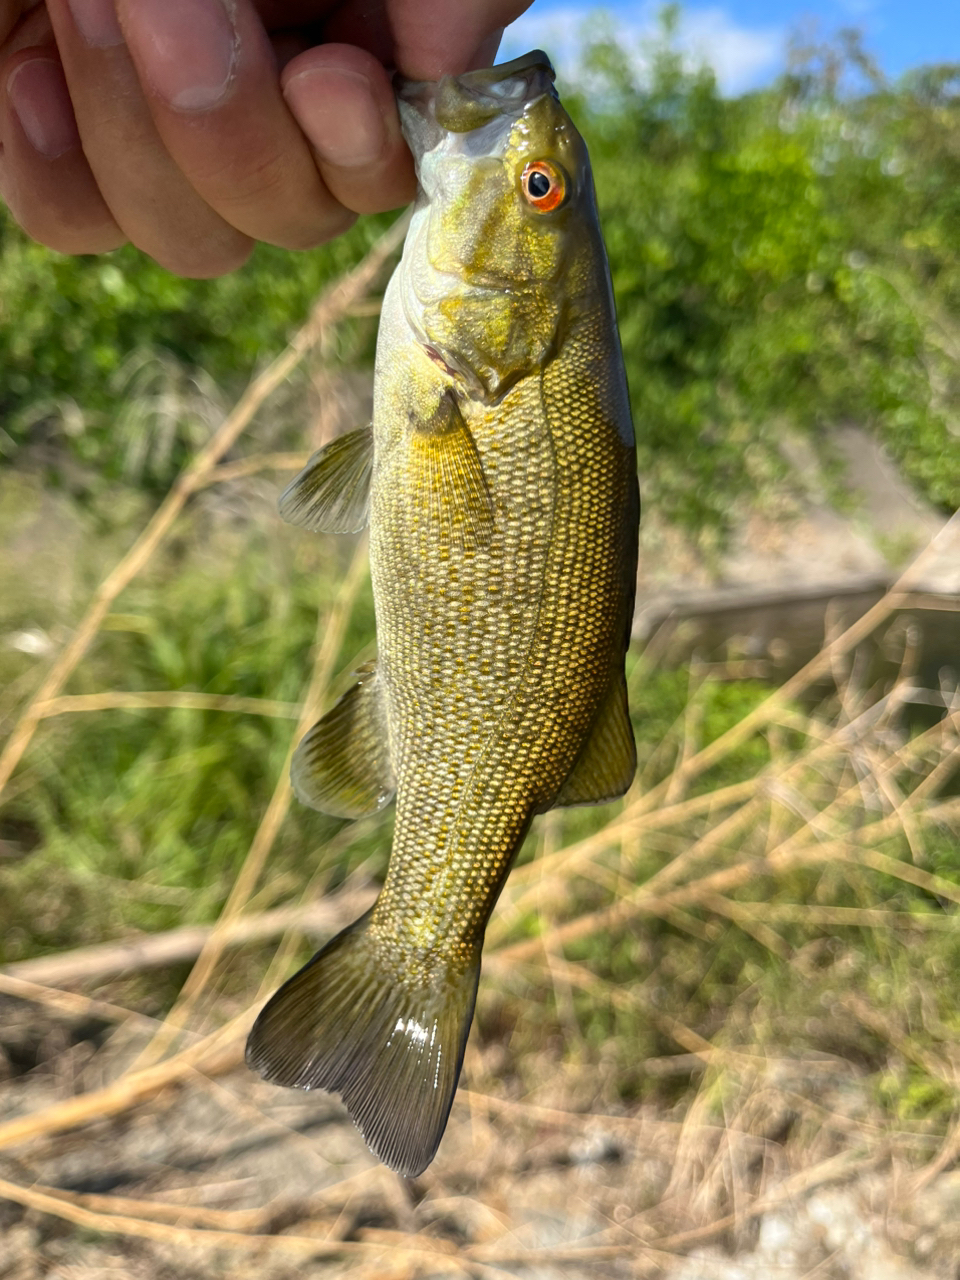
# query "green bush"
(788, 257)
(69, 326)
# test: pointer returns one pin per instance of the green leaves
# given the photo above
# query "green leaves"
(752, 243)
(69, 325)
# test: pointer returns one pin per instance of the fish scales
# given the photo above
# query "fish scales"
(503, 511)
(496, 694)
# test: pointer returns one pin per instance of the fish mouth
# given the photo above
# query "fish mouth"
(460, 104)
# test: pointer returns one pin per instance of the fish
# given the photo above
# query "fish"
(499, 481)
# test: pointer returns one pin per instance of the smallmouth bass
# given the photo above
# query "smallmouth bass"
(499, 476)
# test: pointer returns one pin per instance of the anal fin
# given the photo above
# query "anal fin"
(608, 762)
(331, 494)
(342, 766)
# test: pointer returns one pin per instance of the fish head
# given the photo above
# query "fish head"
(505, 205)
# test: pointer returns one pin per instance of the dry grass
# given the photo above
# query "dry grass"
(823, 841)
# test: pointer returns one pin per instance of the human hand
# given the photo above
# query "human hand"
(165, 122)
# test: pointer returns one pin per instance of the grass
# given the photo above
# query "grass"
(745, 969)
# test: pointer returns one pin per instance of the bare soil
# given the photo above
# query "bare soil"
(541, 1185)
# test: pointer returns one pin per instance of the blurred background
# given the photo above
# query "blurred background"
(717, 1032)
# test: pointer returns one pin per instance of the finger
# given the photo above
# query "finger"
(44, 175)
(150, 198)
(211, 84)
(426, 39)
(33, 32)
(486, 52)
(342, 100)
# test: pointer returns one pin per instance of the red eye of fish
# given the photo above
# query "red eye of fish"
(543, 185)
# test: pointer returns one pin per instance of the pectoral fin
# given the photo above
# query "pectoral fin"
(331, 494)
(447, 484)
(342, 766)
(609, 760)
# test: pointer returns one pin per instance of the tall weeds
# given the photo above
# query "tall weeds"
(685, 987)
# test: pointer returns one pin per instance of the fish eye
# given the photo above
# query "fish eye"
(544, 185)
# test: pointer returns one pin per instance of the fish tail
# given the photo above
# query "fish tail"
(388, 1037)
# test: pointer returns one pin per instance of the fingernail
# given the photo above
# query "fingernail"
(96, 20)
(338, 113)
(187, 49)
(39, 97)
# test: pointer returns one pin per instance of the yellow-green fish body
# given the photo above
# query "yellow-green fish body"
(503, 515)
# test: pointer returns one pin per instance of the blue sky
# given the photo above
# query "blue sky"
(745, 40)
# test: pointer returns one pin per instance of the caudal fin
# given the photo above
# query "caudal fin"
(386, 1033)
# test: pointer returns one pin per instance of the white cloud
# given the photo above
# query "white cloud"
(742, 57)
(558, 30)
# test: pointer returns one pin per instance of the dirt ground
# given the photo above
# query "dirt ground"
(220, 1174)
